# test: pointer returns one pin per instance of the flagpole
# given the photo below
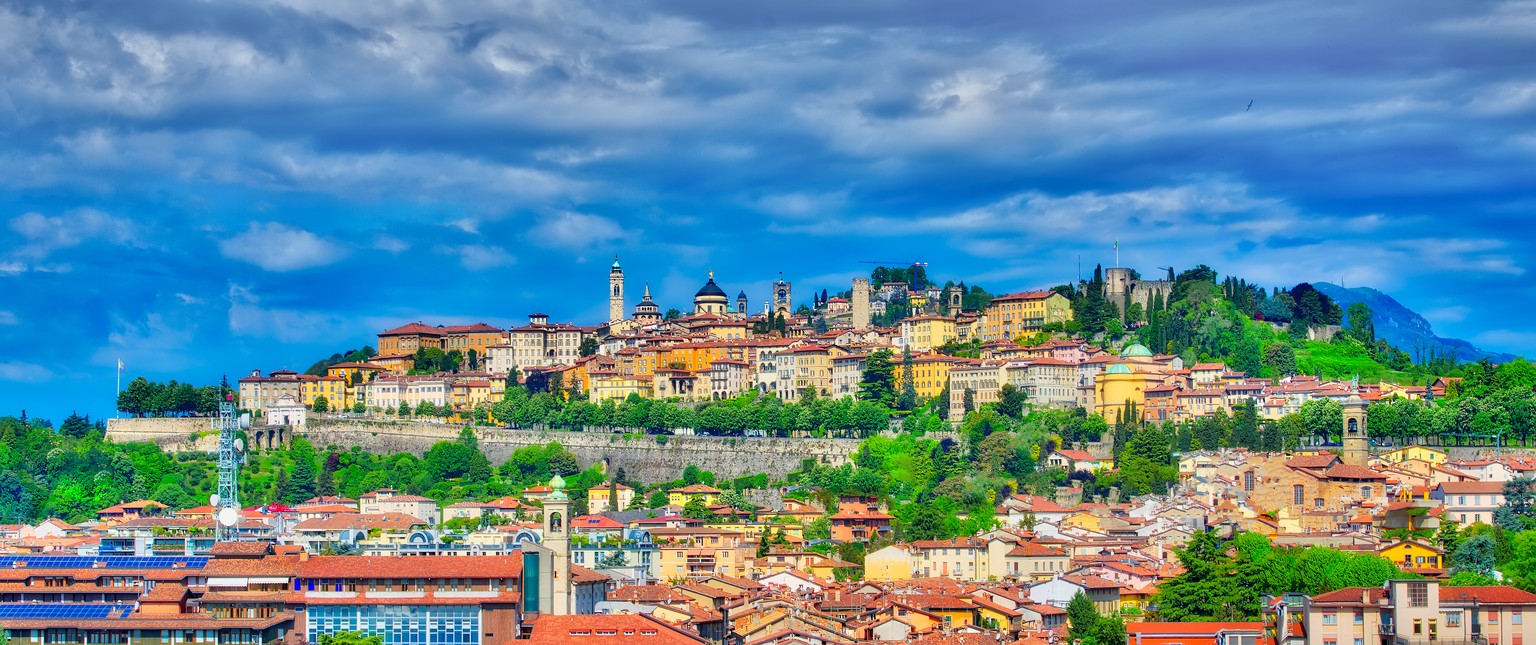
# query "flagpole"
(119, 413)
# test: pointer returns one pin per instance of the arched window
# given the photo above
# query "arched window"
(615, 290)
(1354, 426)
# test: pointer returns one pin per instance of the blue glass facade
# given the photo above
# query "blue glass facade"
(399, 624)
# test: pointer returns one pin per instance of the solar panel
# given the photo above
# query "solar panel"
(62, 611)
(110, 562)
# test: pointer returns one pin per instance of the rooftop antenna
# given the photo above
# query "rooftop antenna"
(231, 448)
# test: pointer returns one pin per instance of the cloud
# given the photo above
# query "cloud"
(43, 235)
(575, 231)
(476, 257)
(18, 371)
(7, 318)
(276, 247)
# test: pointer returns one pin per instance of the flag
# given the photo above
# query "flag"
(1117, 244)
(119, 364)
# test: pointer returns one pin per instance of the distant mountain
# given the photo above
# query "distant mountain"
(1401, 326)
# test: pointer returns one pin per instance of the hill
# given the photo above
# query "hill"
(1403, 327)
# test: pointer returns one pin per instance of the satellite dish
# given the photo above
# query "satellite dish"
(228, 516)
(245, 421)
(239, 444)
(213, 500)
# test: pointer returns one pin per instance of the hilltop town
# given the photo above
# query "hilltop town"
(1028, 470)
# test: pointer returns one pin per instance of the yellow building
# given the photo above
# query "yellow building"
(681, 496)
(1008, 317)
(608, 385)
(469, 394)
(930, 372)
(1415, 453)
(890, 563)
(698, 356)
(406, 339)
(1084, 520)
(334, 388)
(692, 553)
(1411, 555)
(1126, 381)
(812, 368)
(598, 502)
(924, 333)
(355, 373)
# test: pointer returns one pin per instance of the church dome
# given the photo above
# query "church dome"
(710, 290)
(1118, 368)
(1136, 350)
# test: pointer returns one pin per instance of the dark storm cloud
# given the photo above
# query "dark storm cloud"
(205, 188)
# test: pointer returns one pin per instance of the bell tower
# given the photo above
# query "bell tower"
(615, 292)
(1356, 438)
(783, 297)
(557, 538)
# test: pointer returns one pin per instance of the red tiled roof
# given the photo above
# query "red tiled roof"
(606, 628)
(1486, 595)
(416, 566)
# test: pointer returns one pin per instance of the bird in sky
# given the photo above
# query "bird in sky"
(1250, 105)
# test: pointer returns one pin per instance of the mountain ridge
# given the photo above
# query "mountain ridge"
(1404, 328)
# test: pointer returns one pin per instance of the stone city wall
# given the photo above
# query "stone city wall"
(642, 457)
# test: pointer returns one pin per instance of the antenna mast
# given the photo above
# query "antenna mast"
(231, 447)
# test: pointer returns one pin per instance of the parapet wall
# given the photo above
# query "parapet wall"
(642, 457)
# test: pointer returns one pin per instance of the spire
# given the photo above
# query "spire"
(615, 260)
(647, 295)
(711, 274)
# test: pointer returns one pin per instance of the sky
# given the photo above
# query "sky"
(206, 188)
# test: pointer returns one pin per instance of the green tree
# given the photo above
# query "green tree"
(819, 529)
(425, 409)
(1011, 401)
(301, 482)
(1361, 326)
(879, 382)
(658, 499)
(588, 346)
(697, 509)
(1474, 555)
(75, 426)
(349, 638)
(908, 398)
(404, 410)
(1082, 618)
(321, 404)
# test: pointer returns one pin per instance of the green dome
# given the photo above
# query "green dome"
(558, 483)
(1118, 368)
(1136, 349)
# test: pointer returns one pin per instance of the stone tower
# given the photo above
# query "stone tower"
(615, 292)
(741, 304)
(956, 299)
(557, 538)
(860, 298)
(1357, 450)
(783, 298)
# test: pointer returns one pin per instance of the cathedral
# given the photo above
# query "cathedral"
(711, 299)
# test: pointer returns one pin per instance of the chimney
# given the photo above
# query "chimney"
(304, 555)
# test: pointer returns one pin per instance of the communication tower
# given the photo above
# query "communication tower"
(231, 451)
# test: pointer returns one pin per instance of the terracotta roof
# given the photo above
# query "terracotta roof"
(363, 521)
(1190, 628)
(1486, 595)
(1471, 488)
(416, 566)
(1312, 461)
(647, 594)
(606, 628)
(239, 549)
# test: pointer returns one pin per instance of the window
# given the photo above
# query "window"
(1359, 617)
(1365, 492)
(1298, 494)
(1453, 619)
(1493, 616)
(1514, 617)
(1418, 626)
(1418, 596)
(1330, 619)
